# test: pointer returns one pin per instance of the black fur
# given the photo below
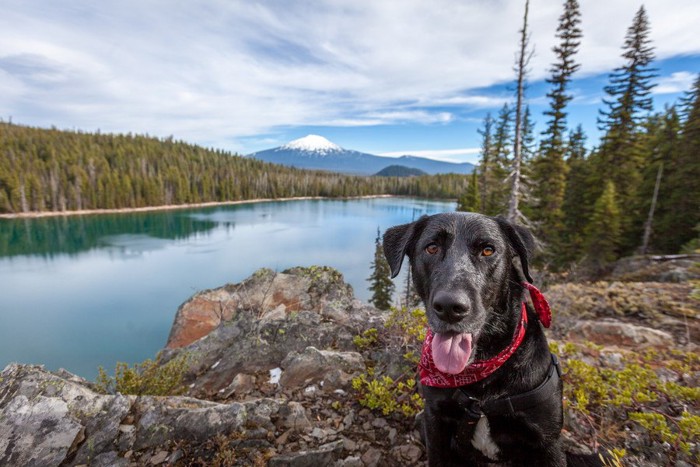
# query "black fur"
(467, 291)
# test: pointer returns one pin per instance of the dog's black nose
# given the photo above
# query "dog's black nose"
(450, 307)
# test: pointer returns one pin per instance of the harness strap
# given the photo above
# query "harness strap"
(511, 404)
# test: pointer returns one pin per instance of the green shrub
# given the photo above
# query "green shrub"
(635, 396)
(150, 377)
(404, 331)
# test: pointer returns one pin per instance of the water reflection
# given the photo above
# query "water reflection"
(86, 291)
(51, 236)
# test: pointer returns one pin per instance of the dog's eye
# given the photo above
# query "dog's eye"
(488, 251)
(432, 249)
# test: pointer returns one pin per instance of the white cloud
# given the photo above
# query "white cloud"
(678, 82)
(218, 71)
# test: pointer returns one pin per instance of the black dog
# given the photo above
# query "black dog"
(463, 269)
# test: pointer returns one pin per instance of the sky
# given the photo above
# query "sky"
(388, 77)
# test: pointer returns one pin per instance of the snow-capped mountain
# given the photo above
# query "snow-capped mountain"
(316, 152)
(312, 143)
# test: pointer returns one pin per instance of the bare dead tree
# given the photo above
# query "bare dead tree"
(524, 56)
(650, 217)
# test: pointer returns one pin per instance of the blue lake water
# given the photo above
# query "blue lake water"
(84, 291)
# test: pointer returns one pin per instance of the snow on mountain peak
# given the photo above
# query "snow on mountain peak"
(312, 143)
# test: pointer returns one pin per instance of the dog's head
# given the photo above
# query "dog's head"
(463, 267)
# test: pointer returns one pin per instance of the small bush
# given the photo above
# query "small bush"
(404, 332)
(635, 396)
(147, 378)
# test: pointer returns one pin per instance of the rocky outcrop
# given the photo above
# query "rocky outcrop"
(265, 295)
(614, 333)
(667, 307)
(264, 319)
(47, 420)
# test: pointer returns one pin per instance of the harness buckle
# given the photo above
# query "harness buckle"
(471, 405)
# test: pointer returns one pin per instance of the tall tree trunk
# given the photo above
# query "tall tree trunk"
(650, 217)
(523, 60)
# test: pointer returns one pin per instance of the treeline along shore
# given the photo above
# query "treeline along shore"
(49, 170)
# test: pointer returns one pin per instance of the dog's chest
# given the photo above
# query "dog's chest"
(482, 440)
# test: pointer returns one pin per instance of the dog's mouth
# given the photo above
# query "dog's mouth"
(451, 351)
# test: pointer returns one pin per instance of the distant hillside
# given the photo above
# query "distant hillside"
(399, 171)
(316, 152)
(53, 170)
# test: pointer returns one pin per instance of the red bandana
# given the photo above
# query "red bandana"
(431, 376)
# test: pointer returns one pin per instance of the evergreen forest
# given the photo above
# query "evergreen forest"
(52, 170)
(635, 192)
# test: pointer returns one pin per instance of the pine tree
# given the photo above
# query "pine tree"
(603, 231)
(621, 155)
(684, 201)
(484, 168)
(381, 285)
(494, 165)
(549, 167)
(577, 203)
(470, 201)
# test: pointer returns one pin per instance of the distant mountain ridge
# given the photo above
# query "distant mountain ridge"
(399, 171)
(315, 152)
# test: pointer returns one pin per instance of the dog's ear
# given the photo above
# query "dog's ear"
(522, 242)
(396, 243)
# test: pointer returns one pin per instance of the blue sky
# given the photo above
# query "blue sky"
(386, 77)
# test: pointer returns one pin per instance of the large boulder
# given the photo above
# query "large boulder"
(48, 420)
(251, 327)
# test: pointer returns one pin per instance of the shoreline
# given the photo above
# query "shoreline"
(170, 207)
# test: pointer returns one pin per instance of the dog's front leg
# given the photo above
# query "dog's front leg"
(439, 426)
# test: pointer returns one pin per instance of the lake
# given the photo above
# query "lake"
(83, 291)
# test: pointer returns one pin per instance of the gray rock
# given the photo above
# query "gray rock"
(350, 461)
(37, 432)
(295, 417)
(610, 332)
(108, 459)
(240, 384)
(409, 454)
(334, 369)
(325, 455)
(372, 457)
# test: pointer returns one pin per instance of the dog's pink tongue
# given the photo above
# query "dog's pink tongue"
(451, 352)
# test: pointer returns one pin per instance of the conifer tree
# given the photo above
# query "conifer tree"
(549, 167)
(381, 285)
(684, 201)
(470, 201)
(603, 231)
(494, 166)
(577, 203)
(628, 103)
(484, 168)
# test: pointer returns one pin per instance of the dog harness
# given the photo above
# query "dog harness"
(431, 376)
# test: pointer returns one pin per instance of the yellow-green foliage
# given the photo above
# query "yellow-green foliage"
(411, 324)
(615, 458)
(687, 428)
(387, 395)
(366, 340)
(405, 329)
(610, 399)
(147, 378)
